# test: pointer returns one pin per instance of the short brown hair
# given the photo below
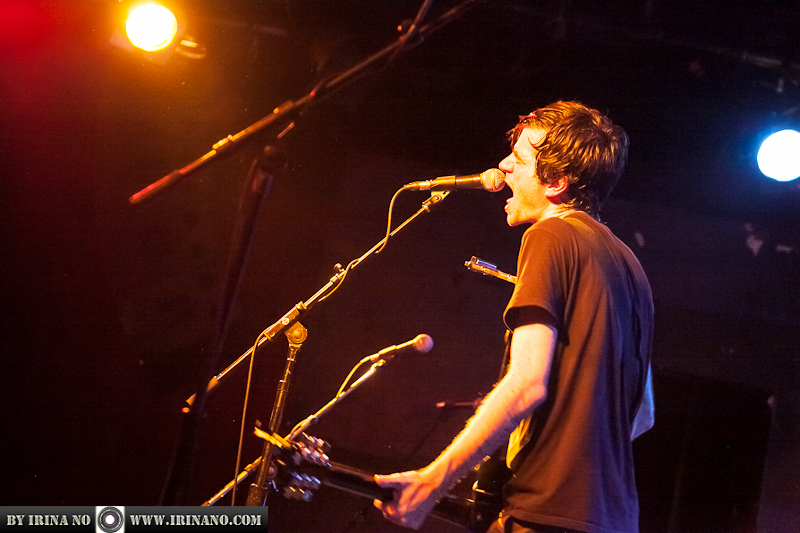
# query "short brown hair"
(581, 144)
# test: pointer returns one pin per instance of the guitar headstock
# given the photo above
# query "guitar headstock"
(312, 450)
(291, 462)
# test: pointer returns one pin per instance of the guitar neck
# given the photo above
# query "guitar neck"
(458, 511)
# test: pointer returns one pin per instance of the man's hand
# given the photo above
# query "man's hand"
(415, 495)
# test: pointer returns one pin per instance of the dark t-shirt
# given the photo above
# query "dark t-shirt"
(576, 471)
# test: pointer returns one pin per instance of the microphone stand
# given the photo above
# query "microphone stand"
(258, 489)
(257, 493)
(257, 185)
(182, 466)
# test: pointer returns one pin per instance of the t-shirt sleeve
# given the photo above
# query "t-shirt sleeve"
(542, 272)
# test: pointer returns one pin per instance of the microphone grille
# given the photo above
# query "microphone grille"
(493, 180)
(423, 343)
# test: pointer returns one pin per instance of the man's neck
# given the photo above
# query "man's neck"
(559, 210)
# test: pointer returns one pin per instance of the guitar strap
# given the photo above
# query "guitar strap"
(493, 473)
(520, 436)
(506, 362)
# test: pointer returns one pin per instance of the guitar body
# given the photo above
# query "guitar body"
(487, 491)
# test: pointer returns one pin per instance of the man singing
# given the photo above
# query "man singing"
(578, 387)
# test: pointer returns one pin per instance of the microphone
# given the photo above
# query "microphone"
(491, 180)
(421, 343)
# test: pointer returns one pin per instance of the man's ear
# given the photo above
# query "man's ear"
(557, 188)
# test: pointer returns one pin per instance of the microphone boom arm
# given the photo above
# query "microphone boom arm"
(287, 111)
(294, 314)
(302, 426)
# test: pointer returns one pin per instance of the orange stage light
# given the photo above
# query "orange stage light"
(151, 27)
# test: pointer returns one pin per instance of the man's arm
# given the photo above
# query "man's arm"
(516, 395)
(645, 417)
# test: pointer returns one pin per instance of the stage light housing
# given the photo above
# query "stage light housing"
(153, 32)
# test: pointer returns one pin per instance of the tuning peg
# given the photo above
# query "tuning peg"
(315, 457)
(304, 481)
(293, 493)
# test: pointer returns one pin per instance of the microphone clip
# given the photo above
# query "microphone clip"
(436, 197)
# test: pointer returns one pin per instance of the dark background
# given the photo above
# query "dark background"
(108, 309)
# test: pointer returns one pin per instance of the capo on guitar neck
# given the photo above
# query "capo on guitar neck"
(476, 264)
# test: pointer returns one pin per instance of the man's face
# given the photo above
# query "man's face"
(528, 201)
